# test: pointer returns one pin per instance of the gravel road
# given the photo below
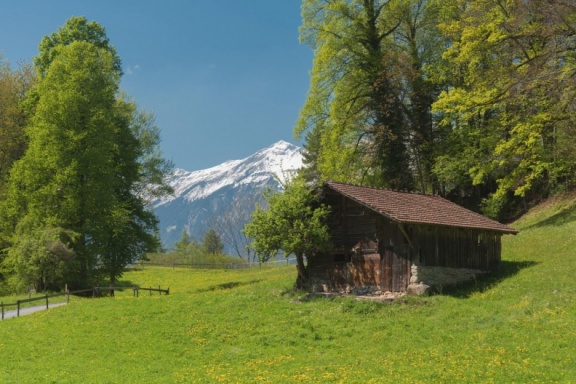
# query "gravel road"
(29, 310)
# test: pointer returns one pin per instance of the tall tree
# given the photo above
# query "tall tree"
(351, 103)
(368, 112)
(138, 179)
(65, 176)
(14, 84)
(295, 223)
(76, 28)
(92, 164)
(513, 103)
(418, 45)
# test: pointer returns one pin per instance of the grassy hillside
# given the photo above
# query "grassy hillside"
(247, 326)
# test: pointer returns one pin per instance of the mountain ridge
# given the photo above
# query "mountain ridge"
(202, 198)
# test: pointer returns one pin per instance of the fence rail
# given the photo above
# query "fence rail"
(97, 290)
(271, 263)
(18, 303)
(94, 291)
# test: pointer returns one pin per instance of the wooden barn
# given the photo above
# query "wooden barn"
(396, 241)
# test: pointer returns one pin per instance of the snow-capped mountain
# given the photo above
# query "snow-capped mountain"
(225, 193)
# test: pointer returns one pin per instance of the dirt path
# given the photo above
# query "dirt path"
(29, 310)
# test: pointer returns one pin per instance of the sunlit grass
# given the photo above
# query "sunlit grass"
(249, 326)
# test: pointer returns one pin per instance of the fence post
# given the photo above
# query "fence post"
(2, 305)
(159, 291)
(17, 308)
(46, 301)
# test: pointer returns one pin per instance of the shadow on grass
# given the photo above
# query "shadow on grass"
(487, 281)
(230, 285)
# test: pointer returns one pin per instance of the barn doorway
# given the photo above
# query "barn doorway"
(395, 269)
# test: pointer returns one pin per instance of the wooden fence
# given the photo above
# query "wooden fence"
(18, 303)
(225, 266)
(97, 291)
(91, 292)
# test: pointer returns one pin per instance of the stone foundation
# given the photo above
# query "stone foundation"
(438, 277)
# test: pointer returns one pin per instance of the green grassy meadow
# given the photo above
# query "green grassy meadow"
(249, 326)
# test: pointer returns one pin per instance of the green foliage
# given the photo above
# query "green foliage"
(188, 251)
(41, 259)
(92, 163)
(61, 179)
(471, 100)
(508, 106)
(75, 29)
(294, 222)
(370, 94)
(13, 87)
(249, 326)
(183, 245)
(195, 257)
(212, 243)
(152, 166)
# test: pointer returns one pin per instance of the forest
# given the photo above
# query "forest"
(471, 100)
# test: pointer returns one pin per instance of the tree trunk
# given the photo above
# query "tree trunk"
(302, 281)
(112, 283)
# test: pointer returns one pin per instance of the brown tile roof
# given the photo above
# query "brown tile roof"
(417, 208)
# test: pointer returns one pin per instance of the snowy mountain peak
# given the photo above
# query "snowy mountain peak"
(200, 196)
(278, 160)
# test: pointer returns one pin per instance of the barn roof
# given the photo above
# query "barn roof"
(417, 208)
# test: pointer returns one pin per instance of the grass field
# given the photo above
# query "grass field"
(248, 326)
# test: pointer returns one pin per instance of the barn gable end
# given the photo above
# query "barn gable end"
(395, 241)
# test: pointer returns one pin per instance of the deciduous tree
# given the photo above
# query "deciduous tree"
(93, 162)
(67, 175)
(349, 104)
(511, 109)
(76, 28)
(294, 223)
(368, 112)
(14, 84)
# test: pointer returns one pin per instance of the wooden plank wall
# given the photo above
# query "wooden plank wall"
(398, 248)
(456, 247)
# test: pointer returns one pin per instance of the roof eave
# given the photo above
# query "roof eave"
(506, 231)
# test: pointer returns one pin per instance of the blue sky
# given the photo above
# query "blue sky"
(224, 78)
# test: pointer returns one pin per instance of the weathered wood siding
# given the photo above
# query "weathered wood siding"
(372, 250)
(380, 258)
(456, 247)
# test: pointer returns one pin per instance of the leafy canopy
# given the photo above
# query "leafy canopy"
(294, 222)
(91, 167)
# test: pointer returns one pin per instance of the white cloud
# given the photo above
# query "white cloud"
(131, 69)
